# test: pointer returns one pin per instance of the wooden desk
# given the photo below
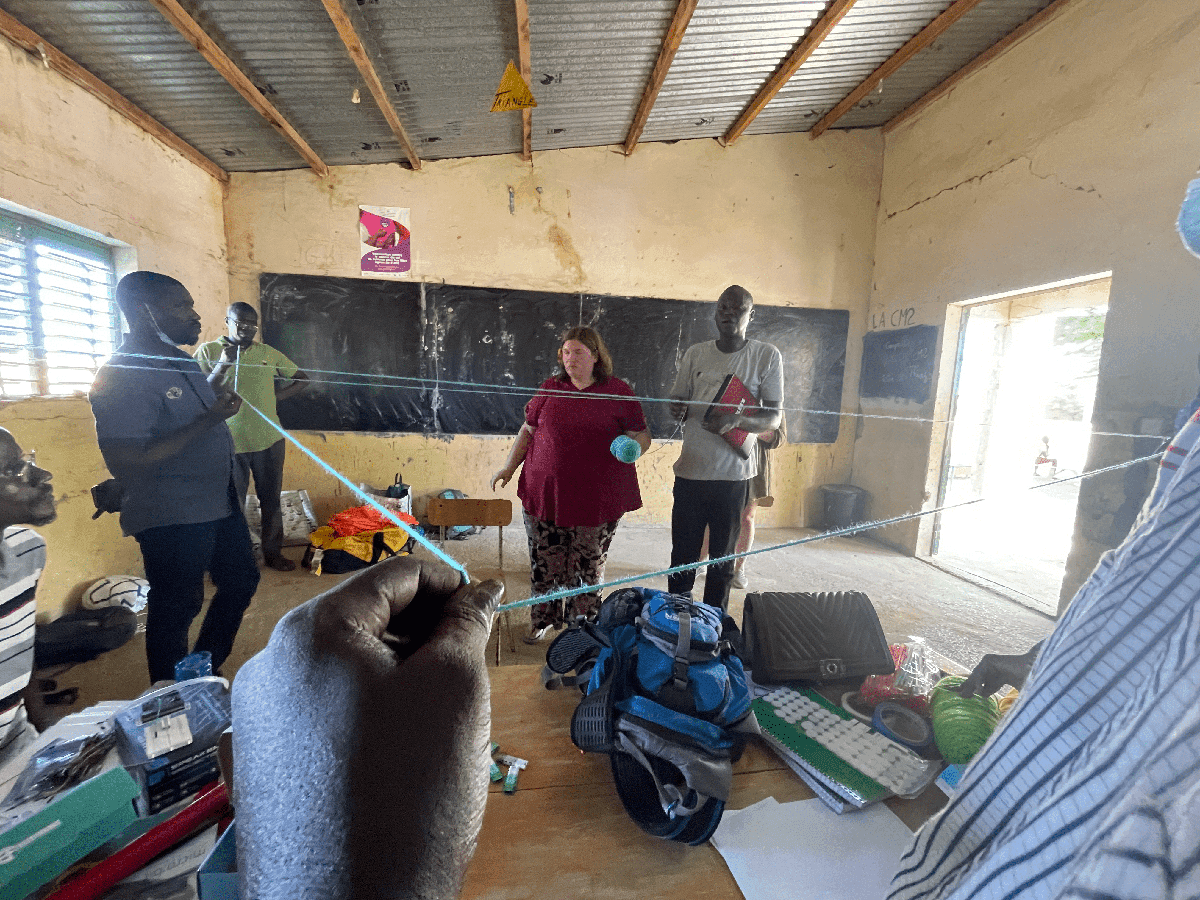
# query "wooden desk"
(564, 834)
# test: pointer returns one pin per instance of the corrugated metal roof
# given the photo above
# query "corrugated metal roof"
(979, 29)
(591, 61)
(297, 60)
(858, 45)
(132, 48)
(731, 48)
(450, 54)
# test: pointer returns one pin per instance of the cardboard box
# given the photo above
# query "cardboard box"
(217, 877)
(44, 846)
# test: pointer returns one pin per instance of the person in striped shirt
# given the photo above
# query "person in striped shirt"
(1090, 788)
(26, 498)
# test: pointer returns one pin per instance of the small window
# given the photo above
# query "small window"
(58, 319)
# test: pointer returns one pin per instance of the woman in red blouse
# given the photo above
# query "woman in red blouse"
(572, 488)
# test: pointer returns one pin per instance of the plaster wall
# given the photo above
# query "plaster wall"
(1065, 157)
(66, 155)
(791, 219)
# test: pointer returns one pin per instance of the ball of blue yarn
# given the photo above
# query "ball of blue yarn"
(625, 448)
(1188, 223)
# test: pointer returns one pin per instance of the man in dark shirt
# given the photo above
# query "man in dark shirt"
(162, 433)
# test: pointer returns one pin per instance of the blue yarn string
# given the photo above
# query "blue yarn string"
(397, 382)
(633, 579)
(369, 500)
(812, 538)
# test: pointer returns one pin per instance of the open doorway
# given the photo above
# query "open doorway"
(1017, 438)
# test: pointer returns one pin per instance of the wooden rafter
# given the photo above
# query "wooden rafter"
(1020, 33)
(353, 32)
(666, 55)
(55, 59)
(238, 80)
(789, 66)
(915, 45)
(523, 62)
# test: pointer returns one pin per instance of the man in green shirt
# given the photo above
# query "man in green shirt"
(251, 369)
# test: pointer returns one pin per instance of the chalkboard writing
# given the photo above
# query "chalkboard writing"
(465, 360)
(899, 364)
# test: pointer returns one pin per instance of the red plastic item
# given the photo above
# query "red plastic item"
(877, 688)
(209, 806)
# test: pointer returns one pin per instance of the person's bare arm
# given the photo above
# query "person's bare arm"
(298, 382)
(761, 418)
(516, 456)
(223, 368)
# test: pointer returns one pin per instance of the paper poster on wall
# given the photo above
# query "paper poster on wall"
(383, 240)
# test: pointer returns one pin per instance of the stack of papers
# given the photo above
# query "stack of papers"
(781, 851)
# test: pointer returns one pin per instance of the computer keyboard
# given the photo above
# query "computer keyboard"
(845, 755)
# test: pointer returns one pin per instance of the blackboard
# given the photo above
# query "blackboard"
(899, 364)
(464, 360)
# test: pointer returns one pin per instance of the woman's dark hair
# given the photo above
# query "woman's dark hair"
(591, 339)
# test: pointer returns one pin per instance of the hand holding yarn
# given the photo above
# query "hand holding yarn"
(625, 448)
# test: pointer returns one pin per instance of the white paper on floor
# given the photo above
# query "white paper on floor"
(784, 851)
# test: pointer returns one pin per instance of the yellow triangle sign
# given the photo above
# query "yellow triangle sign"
(513, 92)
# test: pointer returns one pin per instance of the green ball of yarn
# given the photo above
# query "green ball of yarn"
(961, 725)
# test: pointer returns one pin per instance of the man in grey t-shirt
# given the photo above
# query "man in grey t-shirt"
(712, 480)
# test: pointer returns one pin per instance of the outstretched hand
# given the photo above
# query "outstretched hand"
(361, 737)
(226, 406)
(996, 670)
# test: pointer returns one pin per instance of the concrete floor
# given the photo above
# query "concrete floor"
(1019, 540)
(961, 621)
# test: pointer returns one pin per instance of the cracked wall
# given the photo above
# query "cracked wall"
(1067, 156)
(65, 154)
(791, 219)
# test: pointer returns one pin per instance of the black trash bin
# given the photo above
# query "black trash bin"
(845, 505)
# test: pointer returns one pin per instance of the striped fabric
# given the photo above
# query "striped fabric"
(1091, 788)
(22, 558)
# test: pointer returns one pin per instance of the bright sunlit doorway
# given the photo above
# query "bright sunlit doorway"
(1017, 437)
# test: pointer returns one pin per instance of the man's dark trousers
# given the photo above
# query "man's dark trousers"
(718, 506)
(176, 558)
(267, 468)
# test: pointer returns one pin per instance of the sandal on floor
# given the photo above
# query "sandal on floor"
(535, 635)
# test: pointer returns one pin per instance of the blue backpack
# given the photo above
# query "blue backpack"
(666, 697)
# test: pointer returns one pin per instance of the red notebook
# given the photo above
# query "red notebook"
(734, 397)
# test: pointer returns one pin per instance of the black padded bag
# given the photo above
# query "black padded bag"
(813, 637)
(83, 635)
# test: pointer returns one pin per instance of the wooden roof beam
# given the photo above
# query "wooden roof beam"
(238, 80)
(55, 59)
(525, 65)
(1012, 38)
(666, 56)
(915, 45)
(354, 34)
(789, 66)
